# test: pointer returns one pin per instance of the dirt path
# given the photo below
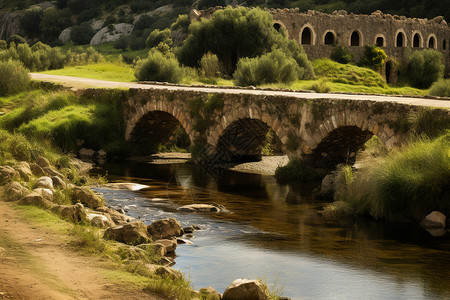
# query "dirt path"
(35, 264)
(77, 82)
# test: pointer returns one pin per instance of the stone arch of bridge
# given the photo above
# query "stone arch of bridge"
(157, 122)
(338, 140)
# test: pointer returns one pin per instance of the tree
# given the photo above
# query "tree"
(158, 67)
(121, 43)
(81, 34)
(30, 22)
(159, 36)
(374, 58)
(53, 22)
(422, 68)
(231, 34)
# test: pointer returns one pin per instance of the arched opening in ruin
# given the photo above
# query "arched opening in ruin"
(340, 146)
(355, 39)
(417, 40)
(444, 45)
(158, 131)
(277, 26)
(329, 38)
(380, 41)
(247, 140)
(432, 42)
(307, 37)
(389, 70)
(400, 41)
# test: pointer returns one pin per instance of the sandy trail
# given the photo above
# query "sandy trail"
(36, 264)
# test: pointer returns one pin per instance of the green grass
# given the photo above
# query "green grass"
(406, 183)
(110, 53)
(105, 71)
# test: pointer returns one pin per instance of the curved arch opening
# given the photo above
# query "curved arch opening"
(159, 131)
(389, 70)
(432, 42)
(416, 40)
(444, 45)
(400, 40)
(355, 39)
(307, 37)
(247, 140)
(329, 38)
(340, 146)
(380, 41)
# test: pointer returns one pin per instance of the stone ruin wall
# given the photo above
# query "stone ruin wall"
(368, 27)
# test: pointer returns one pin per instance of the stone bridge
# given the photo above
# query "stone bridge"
(232, 124)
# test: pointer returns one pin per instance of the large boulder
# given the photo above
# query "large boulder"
(15, 191)
(7, 174)
(52, 172)
(45, 193)
(105, 35)
(209, 293)
(168, 272)
(64, 36)
(23, 168)
(58, 182)
(34, 198)
(44, 182)
(164, 229)
(199, 208)
(75, 213)
(434, 220)
(37, 170)
(327, 187)
(116, 216)
(42, 162)
(158, 249)
(132, 233)
(86, 153)
(87, 197)
(245, 289)
(100, 220)
(170, 245)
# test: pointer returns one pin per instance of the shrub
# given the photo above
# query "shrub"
(121, 43)
(341, 55)
(210, 65)
(14, 77)
(159, 36)
(269, 68)
(81, 34)
(441, 88)
(422, 68)
(3, 45)
(321, 86)
(374, 58)
(159, 68)
(16, 39)
(182, 23)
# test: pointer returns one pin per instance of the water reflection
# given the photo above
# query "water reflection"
(275, 231)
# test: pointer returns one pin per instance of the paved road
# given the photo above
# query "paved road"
(78, 82)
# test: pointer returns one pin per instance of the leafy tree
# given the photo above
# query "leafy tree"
(121, 43)
(374, 58)
(81, 34)
(341, 55)
(53, 22)
(210, 65)
(231, 34)
(159, 36)
(30, 22)
(422, 68)
(182, 23)
(158, 67)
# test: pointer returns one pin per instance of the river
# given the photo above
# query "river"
(274, 232)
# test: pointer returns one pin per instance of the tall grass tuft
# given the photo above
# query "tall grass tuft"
(408, 183)
(14, 78)
(440, 88)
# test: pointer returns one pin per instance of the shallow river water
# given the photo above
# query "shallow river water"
(274, 232)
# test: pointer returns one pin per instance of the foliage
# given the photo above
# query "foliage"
(16, 40)
(440, 88)
(159, 36)
(268, 68)
(210, 65)
(121, 43)
(296, 170)
(341, 55)
(30, 22)
(374, 58)
(182, 23)
(321, 86)
(81, 34)
(3, 45)
(348, 74)
(14, 77)
(159, 68)
(422, 68)
(53, 22)
(407, 183)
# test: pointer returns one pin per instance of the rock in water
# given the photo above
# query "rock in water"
(434, 220)
(245, 289)
(165, 229)
(133, 233)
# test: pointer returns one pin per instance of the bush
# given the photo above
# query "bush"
(273, 67)
(341, 55)
(3, 45)
(121, 43)
(182, 23)
(374, 58)
(422, 68)
(440, 88)
(81, 34)
(320, 87)
(210, 65)
(159, 36)
(14, 78)
(159, 68)
(16, 39)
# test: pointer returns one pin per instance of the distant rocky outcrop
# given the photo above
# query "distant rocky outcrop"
(106, 35)
(9, 24)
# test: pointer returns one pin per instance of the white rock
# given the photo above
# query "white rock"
(64, 36)
(105, 36)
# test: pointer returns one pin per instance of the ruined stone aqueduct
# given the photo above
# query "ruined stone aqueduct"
(317, 32)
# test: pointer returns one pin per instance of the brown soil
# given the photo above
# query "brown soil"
(36, 264)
